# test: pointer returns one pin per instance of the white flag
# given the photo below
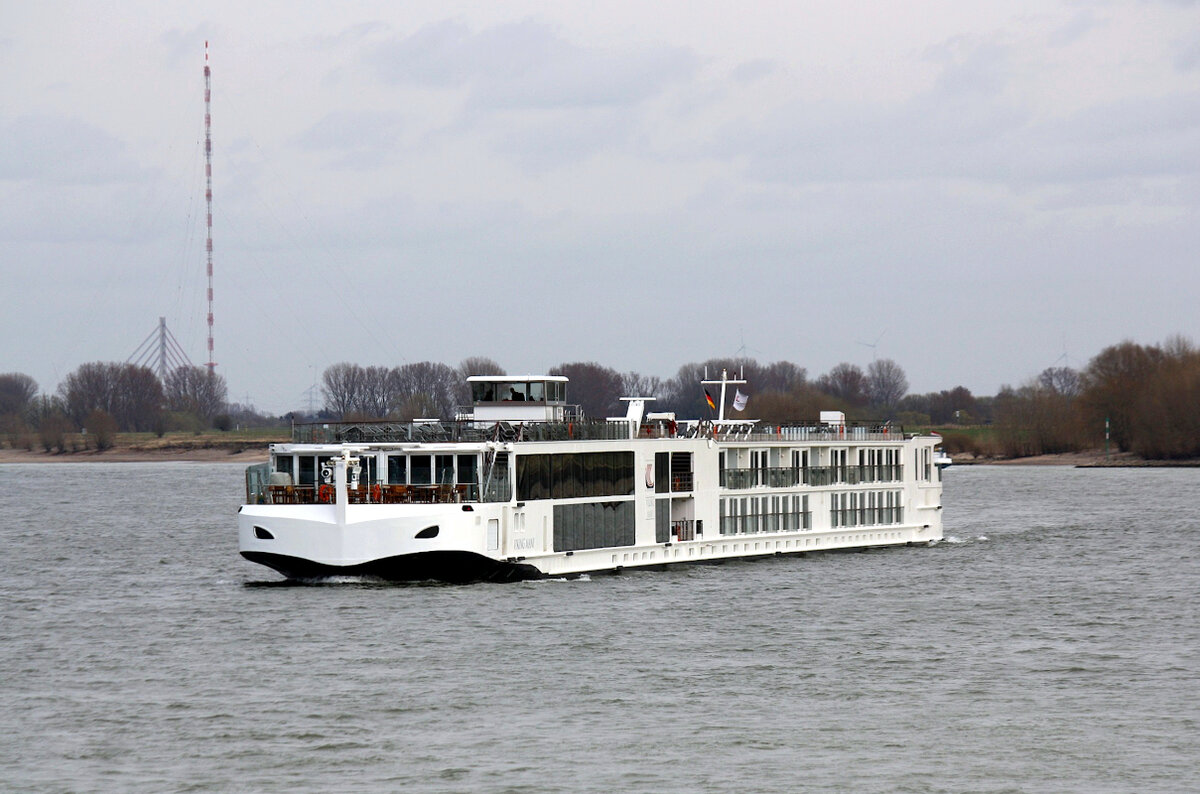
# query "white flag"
(739, 401)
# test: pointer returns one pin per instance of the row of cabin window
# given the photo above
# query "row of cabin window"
(858, 509)
(593, 525)
(401, 469)
(765, 514)
(573, 476)
(519, 391)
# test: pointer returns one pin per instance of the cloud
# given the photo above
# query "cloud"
(62, 150)
(527, 65)
(540, 144)
(362, 139)
(972, 123)
(1187, 56)
(1075, 29)
(749, 71)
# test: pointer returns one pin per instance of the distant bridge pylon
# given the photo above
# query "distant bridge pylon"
(160, 352)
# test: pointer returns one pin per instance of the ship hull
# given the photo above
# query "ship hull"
(562, 501)
(453, 567)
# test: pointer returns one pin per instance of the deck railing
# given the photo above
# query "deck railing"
(789, 476)
(443, 431)
(457, 431)
(684, 529)
(820, 433)
(377, 493)
(681, 482)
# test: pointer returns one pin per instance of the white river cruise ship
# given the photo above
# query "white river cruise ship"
(522, 486)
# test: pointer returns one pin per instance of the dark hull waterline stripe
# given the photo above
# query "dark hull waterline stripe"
(442, 566)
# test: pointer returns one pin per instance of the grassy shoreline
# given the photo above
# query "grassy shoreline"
(214, 446)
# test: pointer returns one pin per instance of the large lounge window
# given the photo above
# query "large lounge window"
(422, 469)
(396, 470)
(308, 470)
(574, 476)
(593, 525)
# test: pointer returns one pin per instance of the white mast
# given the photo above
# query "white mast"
(723, 383)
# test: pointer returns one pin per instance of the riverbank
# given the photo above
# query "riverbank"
(195, 449)
(1088, 459)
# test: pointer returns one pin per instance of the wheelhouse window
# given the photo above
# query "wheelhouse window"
(538, 391)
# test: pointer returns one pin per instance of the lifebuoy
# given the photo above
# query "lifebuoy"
(325, 493)
(377, 492)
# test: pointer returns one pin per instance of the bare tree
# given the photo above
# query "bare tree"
(374, 397)
(138, 398)
(17, 391)
(782, 376)
(341, 386)
(886, 383)
(637, 385)
(101, 428)
(845, 382)
(1113, 382)
(597, 389)
(437, 382)
(131, 394)
(196, 390)
(1061, 380)
(415, 406)
(479, 365)
(89, 387)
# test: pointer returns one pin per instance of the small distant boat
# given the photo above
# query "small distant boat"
(521, 485)
(941, 459)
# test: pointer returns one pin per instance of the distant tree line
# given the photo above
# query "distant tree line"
(99, 399)
(1146, 395)
(782, 390)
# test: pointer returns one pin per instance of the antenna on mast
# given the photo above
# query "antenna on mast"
(211, 364)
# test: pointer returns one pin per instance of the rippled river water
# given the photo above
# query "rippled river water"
(1048, 645)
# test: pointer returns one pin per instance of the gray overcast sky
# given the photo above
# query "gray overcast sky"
(976, 189)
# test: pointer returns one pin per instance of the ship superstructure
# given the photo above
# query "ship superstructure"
(522, 485)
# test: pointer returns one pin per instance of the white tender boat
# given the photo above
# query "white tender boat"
(522, 486)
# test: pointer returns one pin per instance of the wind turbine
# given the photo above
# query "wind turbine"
(872, 345)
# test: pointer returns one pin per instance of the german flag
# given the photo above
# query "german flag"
(709, 399)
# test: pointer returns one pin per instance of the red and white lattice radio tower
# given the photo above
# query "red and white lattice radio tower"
(211, 364)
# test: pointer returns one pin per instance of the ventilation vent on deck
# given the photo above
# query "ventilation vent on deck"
(262, 533)
(428, 532)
